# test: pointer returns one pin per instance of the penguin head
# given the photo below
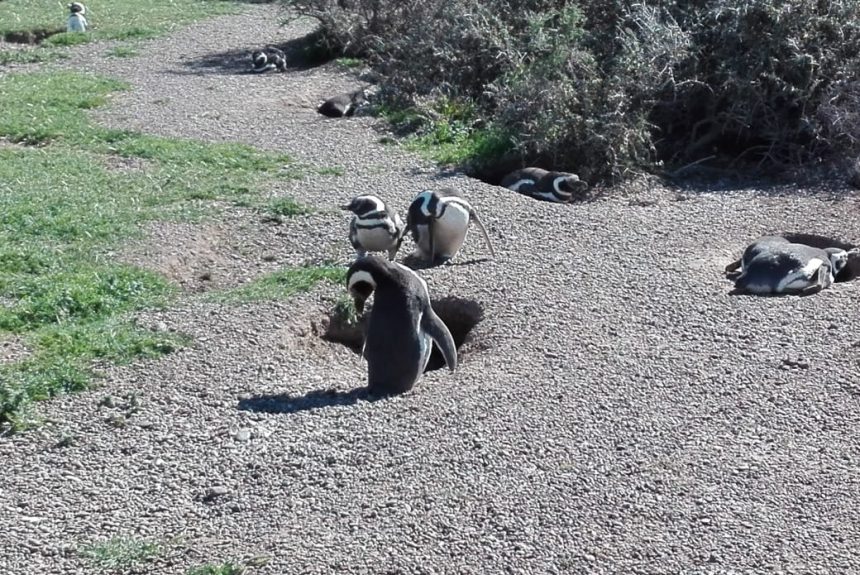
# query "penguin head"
(77, 8)
(838, 259)
(566, 184)
(363, 205)
(364, 276)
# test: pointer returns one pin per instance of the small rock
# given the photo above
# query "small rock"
(243, 435)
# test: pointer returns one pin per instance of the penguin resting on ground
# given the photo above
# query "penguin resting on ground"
(343, 104)
(77, 21)
(270, 58)
(439, 222)
(544, 185)
(773, 265)
(402, 325)
(374, 228)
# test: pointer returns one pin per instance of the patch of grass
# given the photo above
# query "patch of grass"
(109, 19)
(282, 284)
(122, 52)
(286, 208)
(228, 568)
(67, 39)
(64, 210)
(331, 171)
(30, 56)
(120, 553)
(349, 63)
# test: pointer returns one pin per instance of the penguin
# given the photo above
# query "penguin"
(402, 326)
(270, 58)
(439, 222)
(374, 227)
(773, 265)
(734, 269)
(343, 104)
(77, 21)
(544, 185)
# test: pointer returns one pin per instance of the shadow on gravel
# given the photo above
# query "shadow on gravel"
(302, 54)
(318, 399)
(414, 262)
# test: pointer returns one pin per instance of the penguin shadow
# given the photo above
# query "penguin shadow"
(316, 399)
(302, 53)
(415, 262)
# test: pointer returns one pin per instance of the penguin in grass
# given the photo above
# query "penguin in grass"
(77, 21)
(343, 104)
(270, 58)
(402, 326)
(374, 227)
(773, 265)
(544, 185)
(439, 222)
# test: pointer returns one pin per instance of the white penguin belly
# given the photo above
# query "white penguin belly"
(376, 239)
(450, 231)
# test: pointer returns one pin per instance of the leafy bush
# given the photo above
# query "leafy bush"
(609, 86)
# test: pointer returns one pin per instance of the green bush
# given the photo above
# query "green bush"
(606, 87)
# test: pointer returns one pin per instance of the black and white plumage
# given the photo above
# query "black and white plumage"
(270, 58)
(374, 227)
(544, 185)
(343, 104)
(402, 326)
(439, 222)
(774, 265)
(77, 21)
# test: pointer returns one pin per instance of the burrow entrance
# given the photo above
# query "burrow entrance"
(459, 315)
(33, 36)
(850, 272)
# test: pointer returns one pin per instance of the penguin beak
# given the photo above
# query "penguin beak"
(344, 207)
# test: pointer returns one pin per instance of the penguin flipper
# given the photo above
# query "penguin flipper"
(474, 215)
(433, 325)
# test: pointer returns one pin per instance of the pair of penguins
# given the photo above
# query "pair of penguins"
(402, 325)
(77, 21)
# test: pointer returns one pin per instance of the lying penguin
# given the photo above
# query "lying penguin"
(77, 21)
(439, 222)
(374, 228)
(343, 104)
(270, 58)
(402, 326)
(544, 185)
(773, 265)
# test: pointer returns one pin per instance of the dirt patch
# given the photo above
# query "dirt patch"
(460, 315)
(12, 349)
(197, 257)
(122, 164)
(34, 36)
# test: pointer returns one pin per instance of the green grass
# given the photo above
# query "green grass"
(122, 52)
(63, 211)
(282, 284)
(286, 208)
(109, 19)
(30, 56)
(349, 63)
(228, 568)
(120, 553)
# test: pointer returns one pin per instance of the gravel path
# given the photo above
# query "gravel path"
(616, 411)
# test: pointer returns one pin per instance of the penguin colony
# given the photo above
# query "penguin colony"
(77, 21)
(403, 327)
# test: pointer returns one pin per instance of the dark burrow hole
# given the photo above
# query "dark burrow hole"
(460, 315)
(34, 36)
(850, 272)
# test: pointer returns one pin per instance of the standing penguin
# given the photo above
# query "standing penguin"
(439, 222)
(402, 325)
(773, 265)
(343, 104)
(374, 228)
(543, 185)
(77, 21)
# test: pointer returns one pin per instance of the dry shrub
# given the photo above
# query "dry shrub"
(606, 87)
